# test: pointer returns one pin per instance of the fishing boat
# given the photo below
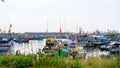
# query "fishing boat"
(22, 39)
(4, 48)
(115, 49)
(50, 43)
(62, 38)
(6, 41)
(41, 37)
(5, 44)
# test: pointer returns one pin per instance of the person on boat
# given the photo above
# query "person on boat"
(65, 50)
(61, 50)
(58, 49)
(11, 42)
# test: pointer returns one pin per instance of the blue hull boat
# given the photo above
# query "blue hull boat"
(4, 48)
(5, 45)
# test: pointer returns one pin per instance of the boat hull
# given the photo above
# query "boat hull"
(4, 49)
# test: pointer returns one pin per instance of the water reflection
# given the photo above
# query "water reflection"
(27, 48)
(33, 46)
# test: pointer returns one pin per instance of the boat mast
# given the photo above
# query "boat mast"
(47, 27)
(9, 31)
(64, 25)
(76, 33)
(60, 30)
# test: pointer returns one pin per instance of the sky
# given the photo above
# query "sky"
(70, 15)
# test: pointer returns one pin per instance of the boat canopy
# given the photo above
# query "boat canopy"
(50, 40)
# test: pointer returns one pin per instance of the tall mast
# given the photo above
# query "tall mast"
(64, 25)
(76, 33)
(60, 30)
(47, 26)
(76, 27)
(47, 29)
(10, 26)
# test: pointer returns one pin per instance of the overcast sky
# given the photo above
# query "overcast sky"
(33, 15)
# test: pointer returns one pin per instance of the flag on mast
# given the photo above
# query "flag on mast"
(10, 25)
(60, 30)
(10, 28)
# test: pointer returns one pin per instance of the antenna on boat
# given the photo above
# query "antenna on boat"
(65, 25)
(47, 26)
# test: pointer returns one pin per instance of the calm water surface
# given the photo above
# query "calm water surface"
(33, 46)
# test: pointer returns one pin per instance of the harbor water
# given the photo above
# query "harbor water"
(28, 48)
(34, 45)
